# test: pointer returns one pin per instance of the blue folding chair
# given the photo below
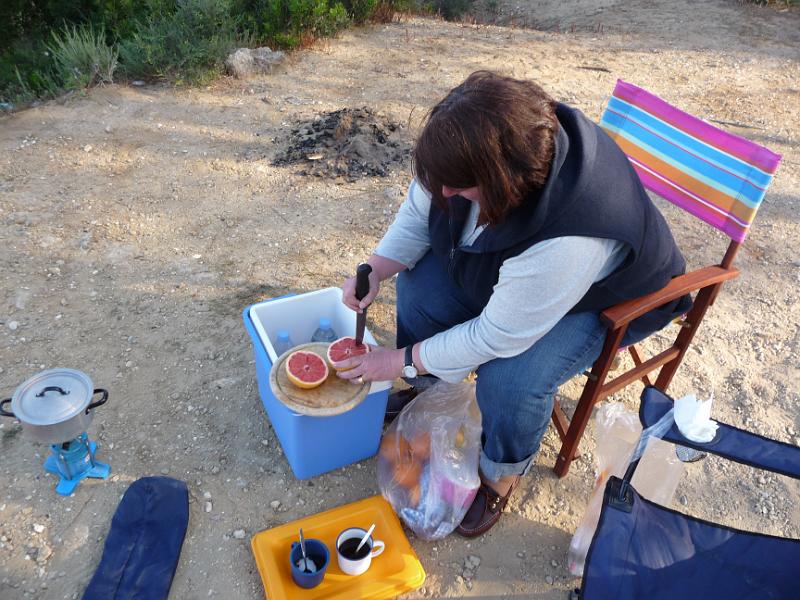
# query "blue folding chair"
(643, 550)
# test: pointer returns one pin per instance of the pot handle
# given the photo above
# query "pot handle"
(100, 402)
(51, 388)
(6, 413)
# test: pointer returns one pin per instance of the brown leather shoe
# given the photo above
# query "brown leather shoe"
(485, 511)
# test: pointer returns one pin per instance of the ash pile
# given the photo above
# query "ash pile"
(350, 143)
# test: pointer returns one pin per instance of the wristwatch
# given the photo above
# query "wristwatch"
(409, 370)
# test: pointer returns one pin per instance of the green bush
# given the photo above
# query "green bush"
(288, 23)
(178, 40)
(189, 44)
(27, 73)
(82, 57)
(26, 19)
(76, 57)
(360, 10)
(119, 18)
(449, 9)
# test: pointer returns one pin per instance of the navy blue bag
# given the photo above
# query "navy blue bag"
(643, 550)
(144, 544)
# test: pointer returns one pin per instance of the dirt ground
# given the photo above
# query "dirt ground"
(137, 223)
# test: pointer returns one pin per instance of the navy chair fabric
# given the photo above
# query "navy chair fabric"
(660, 554)
(732, 443)
(643, 550)
(144, 544)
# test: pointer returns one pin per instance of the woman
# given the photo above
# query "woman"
(523, 223)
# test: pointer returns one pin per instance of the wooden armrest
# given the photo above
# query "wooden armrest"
(622, 314)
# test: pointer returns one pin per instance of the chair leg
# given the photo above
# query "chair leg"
(591, 394)
(560, 420)
(684, 339)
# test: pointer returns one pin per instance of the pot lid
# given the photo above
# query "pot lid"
(52, 396)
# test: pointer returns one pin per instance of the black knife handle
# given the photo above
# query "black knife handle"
(362, 280)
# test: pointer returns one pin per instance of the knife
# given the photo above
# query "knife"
(362, 289)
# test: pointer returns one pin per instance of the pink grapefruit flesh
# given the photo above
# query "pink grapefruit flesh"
(345, 348)
(306, 370)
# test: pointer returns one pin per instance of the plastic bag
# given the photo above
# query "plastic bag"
(428, 459)
(620, 440)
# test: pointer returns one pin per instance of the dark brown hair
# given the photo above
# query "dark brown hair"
(491, 131)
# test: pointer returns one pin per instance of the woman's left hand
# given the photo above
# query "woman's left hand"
(379, 364)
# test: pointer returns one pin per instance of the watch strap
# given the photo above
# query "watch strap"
(409, 356)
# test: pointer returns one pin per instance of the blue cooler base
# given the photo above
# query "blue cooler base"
(316, 445)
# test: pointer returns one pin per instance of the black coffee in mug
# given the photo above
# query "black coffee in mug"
(348, 549)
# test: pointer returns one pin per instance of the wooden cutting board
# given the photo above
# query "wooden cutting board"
(334, 397)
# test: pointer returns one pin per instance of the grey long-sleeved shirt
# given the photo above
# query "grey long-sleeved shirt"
(551, 276)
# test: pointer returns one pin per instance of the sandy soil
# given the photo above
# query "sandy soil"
(137, 223)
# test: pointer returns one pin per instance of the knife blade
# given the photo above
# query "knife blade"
(362, 289)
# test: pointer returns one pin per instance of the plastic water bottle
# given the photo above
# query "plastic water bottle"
(283, 343)
(324, 332)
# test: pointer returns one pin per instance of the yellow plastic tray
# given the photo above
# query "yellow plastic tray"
(394, 572)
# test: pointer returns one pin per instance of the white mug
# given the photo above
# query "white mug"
(358, 566)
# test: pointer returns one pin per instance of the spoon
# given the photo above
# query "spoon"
(364, 539)
(303, 550)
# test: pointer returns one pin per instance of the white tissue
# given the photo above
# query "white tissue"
(693, 418)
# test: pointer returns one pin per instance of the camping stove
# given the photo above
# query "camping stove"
(74, 460)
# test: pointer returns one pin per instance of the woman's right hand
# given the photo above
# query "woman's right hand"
(349, 292)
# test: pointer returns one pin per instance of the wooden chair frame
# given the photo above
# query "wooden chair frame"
(717, 177)
(707, 282)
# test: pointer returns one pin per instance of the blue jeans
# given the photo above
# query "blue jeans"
(515, 394)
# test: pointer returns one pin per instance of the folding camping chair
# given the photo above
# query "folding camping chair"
(714, 175)
(643, 550)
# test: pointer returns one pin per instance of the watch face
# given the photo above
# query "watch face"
(409, 371)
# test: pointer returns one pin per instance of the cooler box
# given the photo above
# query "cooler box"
(314, 445)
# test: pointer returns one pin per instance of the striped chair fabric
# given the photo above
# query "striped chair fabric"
(717, 176)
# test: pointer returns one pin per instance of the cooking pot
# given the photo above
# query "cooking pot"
(55, 405)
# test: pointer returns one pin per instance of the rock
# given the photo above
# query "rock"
(246, 62)
(207, 495)
(265, 442)
(208, 507)
(137, 83)
(38, 528)
(21, 298)
(224, 382)
(44, 553)
(84, 240)
(549, 580)
(554, 563)
(275, 504)
(215, 470)
(472, 562)
(87, 148)
(683, 500)
(13, 325)
(239, 534)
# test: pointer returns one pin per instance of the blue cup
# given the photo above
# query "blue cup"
(317, 552)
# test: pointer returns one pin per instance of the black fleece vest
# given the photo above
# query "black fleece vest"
(592, 191)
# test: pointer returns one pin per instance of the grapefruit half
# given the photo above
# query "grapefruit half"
(306, 370)
(345, 348)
